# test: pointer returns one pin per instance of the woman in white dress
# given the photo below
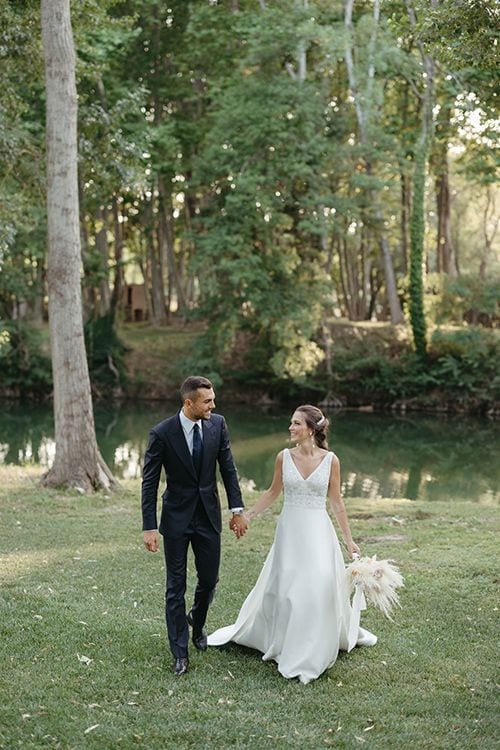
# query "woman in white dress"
(298, 613)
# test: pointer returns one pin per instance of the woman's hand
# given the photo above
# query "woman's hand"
(353, 549)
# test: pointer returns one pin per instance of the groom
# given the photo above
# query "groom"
(188, 446)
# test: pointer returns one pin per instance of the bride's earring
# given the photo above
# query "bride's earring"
(312, 441)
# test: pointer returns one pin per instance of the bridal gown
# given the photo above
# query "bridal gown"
(298, 613)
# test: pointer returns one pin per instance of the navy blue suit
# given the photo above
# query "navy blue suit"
(191, 514)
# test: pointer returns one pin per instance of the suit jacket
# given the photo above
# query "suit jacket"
(167, 448)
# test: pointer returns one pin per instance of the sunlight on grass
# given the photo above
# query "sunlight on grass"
(83, 638)
(18, 564)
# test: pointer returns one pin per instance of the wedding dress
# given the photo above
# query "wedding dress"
(298, 613)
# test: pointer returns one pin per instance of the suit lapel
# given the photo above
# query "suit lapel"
(178, 442)
(209, 443)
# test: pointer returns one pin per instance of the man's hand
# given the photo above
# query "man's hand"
(238, 524)
(151, 541)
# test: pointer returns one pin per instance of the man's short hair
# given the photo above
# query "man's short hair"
(192, 384)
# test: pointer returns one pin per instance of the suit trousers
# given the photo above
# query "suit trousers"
(205, 542)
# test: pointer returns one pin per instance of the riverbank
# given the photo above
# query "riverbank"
(85, 664)
(372, 367)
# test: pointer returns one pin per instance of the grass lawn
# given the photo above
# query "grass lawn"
(84, 661)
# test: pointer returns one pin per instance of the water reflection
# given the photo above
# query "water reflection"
(416, 456)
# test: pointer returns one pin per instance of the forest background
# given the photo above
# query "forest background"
(306, 190)
(305, 193)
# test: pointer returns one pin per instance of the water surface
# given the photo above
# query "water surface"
(413, 456)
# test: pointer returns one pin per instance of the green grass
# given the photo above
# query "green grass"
(76, 583)
(155, 355)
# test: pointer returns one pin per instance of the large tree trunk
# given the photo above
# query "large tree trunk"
(77, 462)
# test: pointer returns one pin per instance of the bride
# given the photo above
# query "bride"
(298, 613)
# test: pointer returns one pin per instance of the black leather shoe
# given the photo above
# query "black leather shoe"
(181, 665)
(199, 636)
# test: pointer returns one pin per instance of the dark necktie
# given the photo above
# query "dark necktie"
(197, 448)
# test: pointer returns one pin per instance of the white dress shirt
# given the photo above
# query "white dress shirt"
(188, 427)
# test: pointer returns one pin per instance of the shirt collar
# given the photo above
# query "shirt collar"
(187, 423)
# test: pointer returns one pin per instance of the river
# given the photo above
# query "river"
(415, 456)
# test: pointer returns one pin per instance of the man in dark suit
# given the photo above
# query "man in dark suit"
(188, 446)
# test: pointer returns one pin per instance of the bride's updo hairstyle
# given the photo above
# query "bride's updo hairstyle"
(317, 422)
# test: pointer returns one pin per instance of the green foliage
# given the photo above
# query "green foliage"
(417, 232)
(105, 355)
(230, 130)
(370, 365)
(461, 372)
(463, 34)
(22, 200)
(468, 298)
(258, 256)
(25, 368)
(466, 363)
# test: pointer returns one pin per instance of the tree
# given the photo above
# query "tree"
(417, 226)
(364, 115)
(77, 460)
(22, 222)
(446, 259)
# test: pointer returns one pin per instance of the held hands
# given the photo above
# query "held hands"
(151, 541)
(238, 524)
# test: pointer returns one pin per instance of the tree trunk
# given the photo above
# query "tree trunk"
(445, 252)
(116, 296)
(101, 243)
(417, 228)
(77, 462)
(375, 285)
(363, 116)
(491, 220)
(405, 217)
(188, 280)
(167, 234)
(158, 308)
(346, 278)
(145, 270)
(88, 292)
(417, 231)
(37, 313)
(301, 52)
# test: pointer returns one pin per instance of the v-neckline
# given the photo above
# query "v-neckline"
(304, 479)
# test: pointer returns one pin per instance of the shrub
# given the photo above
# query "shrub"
(25, 369)
(105, 356)
(467, 362)
(461, 372)
(468, 298)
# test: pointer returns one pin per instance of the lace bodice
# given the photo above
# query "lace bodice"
(306, 493)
